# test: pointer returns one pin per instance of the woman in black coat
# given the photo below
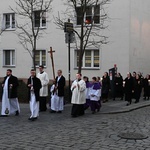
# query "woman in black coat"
(118, 86)
(137, 88)
(129, 88)
(146, 86)
(105, 87)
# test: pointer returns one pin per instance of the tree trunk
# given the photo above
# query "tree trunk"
(34, 49)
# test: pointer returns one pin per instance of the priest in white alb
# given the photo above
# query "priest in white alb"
(10, 103)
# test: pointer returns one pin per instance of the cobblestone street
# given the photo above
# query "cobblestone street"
(61, 132)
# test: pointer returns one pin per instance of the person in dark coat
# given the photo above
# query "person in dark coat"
(10, 103)
(129, 88)
(118, 86)
(137, 88)
(112, 75)
(134, 80)
(34, 86)
(146, 86)
(60, 84)
(105, 87)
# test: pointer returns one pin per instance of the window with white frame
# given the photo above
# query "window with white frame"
(9, 21)
(92, 14)
(40, 57)
(8, 57)
(39, 19)
(91, 58)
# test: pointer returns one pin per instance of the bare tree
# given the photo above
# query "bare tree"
(90, 20)
(32, 13)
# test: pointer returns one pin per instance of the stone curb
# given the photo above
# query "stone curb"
(126, 110)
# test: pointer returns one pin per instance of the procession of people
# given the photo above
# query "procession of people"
(85, 94)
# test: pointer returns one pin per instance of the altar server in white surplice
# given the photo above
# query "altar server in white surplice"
(10, 103)
(43, 76)
(78, 96)
(34, 86)
(95, 94)
(54, 98)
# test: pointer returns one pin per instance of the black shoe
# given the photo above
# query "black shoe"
(59, 112)
(93, 112)
(98, 110)
(52, 111)
(34, 118)
(29, 118)
(3, 115)
(74, 116)
(17, 113)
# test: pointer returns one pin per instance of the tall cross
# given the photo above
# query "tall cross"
(51, 56)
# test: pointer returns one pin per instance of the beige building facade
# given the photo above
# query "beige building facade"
(128, 31)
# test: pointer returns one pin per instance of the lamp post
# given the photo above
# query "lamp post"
(68, 29)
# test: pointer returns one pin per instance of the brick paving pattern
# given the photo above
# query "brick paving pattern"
(89, 132)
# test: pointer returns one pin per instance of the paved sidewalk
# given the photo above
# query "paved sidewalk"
(119, 106)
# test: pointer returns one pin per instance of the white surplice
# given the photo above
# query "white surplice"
(14, 105)
(57, 102)
(34, 106)
(5, 100)
(78, 93)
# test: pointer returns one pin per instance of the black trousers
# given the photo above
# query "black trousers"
(42, 104)
(128, 97)
(77, 110)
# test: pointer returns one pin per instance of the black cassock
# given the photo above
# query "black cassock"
(36, 86)
(12, 92)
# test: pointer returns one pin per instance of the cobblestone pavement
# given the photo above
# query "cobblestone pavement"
(61, 132)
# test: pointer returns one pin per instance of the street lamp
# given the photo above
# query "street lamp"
(68, 29)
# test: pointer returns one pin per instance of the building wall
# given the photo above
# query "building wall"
(128, 46)
(140, 35)
(117, 50)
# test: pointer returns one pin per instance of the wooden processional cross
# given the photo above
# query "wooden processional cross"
(51, 56)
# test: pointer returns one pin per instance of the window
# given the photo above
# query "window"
(90, 58)
(40, 57)
(39, 19)
(9, 21)
(92, 13)
(9, 57)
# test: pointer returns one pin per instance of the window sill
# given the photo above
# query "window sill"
(88, 68)
(39, 65)
(9, 66)
(78, 26)
(40, 28)
(10, 29)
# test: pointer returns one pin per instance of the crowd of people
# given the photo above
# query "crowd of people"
(129, 88)
(85, 94)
